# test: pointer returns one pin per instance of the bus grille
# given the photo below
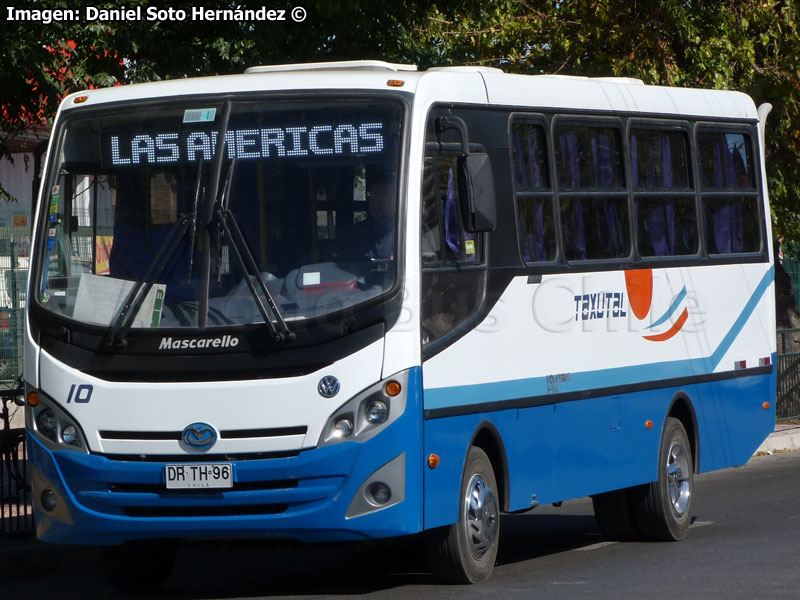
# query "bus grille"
(238, 486)
(205, 511)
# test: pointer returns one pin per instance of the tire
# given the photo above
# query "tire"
(139, 565)
(465, 552)
(664, 507)
(615, 515)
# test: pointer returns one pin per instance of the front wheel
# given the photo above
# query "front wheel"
(664, 510)
(465, 551)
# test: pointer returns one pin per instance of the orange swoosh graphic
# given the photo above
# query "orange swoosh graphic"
(640, 291)
(676, 327)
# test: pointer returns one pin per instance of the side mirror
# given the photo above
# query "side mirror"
(476, 193)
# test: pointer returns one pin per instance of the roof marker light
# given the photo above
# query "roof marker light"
(395, 83)
(80, 99)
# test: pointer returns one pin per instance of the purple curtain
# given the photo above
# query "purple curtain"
(519, 165)
(666, 161)
(611, 238)
(568, 144)
(574, 233)
(533, 245)
(614, 244)
(717, 180)
(722, 230)
(450, 216)
(728, 224)
(730, 170)
(601, 155)
(536, 175)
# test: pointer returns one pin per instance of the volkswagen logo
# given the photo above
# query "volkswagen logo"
(328, 386)
(199, 436)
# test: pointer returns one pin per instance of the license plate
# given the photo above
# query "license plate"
(199, 476)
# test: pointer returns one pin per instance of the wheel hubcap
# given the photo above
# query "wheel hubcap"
(678, 473)
(480, 516)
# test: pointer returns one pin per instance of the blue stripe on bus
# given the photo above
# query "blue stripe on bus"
(673, 307)
(462, 395)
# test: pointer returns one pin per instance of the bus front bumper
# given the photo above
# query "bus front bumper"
(318, 495)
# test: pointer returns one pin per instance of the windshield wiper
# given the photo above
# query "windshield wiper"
(123, 320)
(136, 296)
(224, 218)
(193, 226)
(206, 217)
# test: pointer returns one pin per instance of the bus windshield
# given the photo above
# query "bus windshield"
(295, 211)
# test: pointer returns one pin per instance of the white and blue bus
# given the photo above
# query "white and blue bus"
(353, 301)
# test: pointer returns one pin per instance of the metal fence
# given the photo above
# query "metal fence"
(787, 403)
(792, 269)
(16, 516)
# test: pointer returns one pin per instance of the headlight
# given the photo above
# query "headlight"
(377, 411)
(53, 426)
(367, 413)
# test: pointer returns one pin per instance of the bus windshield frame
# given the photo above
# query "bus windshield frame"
(292, 220)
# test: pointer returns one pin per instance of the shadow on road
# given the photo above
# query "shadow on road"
(257, 569)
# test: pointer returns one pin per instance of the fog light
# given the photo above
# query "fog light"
(46, 423)
(343, 428)
(377, 412)
(49, 500)
(69, 435)
(379, 493)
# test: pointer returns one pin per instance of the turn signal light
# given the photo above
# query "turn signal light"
(393, 388)
(433, 461)
(33, 399)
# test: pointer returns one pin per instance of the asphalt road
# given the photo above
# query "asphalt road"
(744, 543)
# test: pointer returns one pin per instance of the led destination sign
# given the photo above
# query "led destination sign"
(320, 140)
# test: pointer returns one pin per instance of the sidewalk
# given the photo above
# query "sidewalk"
(28, 557)
(785, 438)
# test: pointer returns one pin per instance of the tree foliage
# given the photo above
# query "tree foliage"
(748, 45)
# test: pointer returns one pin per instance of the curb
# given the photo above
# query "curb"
(784, 440)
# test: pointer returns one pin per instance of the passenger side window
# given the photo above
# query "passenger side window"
(444, 240)
(664, 198)
(729, 195)
(453, 275)
(592, 193)
(534, 196)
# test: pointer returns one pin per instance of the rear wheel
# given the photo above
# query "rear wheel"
(664, 507)
(139, 565)
(465, 551)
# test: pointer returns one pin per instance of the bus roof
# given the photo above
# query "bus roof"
(451, 84)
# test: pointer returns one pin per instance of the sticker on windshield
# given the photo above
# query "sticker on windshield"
(199, 115)
(311, 278)
(158, 306)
